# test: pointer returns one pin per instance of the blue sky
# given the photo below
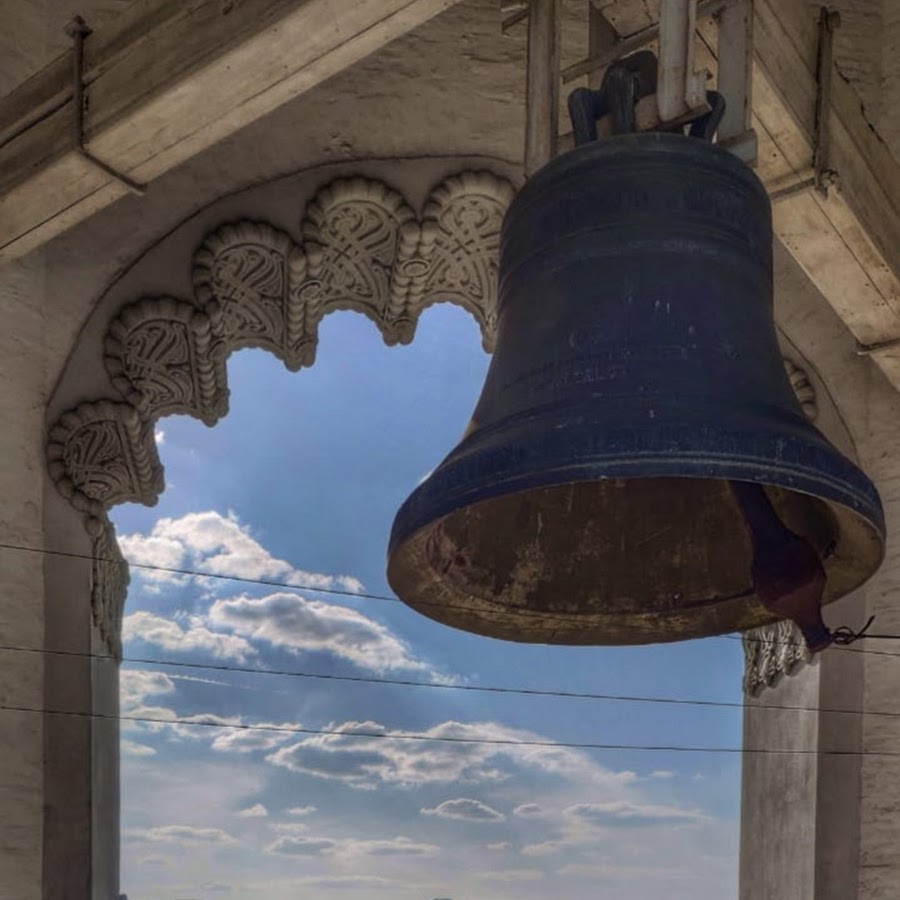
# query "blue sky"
(299, 483)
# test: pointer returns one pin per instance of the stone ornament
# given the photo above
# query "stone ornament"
(158, 355)
(109, 583)
(773, 651)
(103, 453)
(363, 249)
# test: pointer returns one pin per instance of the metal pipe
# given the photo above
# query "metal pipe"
(634, 42)
(542, 90)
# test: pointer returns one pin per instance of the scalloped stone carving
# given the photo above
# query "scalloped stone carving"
(461, 243)
(242, 279)
(771, 653)
(158, 356)
(357, 233)
(774, 651)
(803, 389)
(109, 583)
(103, 453)
(363, 249)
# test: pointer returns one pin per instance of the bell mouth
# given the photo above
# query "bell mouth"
(665, 559)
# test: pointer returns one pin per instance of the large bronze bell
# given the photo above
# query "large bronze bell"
(636, 397)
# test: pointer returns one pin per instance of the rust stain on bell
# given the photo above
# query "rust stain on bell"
(636, 376)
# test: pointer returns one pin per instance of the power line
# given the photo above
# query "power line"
(484, 689)
(362, 595)
(448, 739)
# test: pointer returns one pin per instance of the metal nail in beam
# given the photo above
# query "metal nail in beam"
(78, 30)
(829, 22)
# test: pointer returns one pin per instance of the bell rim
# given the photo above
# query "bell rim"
(420, 588)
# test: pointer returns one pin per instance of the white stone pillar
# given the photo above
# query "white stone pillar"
(22, 398)
(821, 823)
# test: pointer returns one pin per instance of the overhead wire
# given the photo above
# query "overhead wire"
(449, 686)
(447, 739)
(363, 595)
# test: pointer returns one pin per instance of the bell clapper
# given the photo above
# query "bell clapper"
(786, 571)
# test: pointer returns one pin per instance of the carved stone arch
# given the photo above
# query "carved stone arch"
(361, 247)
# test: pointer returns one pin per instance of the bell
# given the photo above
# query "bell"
(637, 459)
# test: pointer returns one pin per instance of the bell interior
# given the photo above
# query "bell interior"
(614, 560)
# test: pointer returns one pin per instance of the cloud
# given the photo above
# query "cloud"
(257, 811)
(288, 620)
(499, 845)
(241, 740)
(398, 846)
(546, 847)
(180, 834)
(623, 812)
(221, 545)
(170, 635)
(136, 685)
(465, 809)
(301, 810)
(512, 875)
(454, 757)
(301, 845)
(159, 436)
(661, 773)
(293, 845)
(528, 811)
(130, 748)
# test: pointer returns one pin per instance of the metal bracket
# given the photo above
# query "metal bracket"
(829, 22)
(78, 30)
(617, 104)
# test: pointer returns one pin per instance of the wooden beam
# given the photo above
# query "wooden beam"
(164, 81)
(848, 241)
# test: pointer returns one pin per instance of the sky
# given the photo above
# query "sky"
(299, 484)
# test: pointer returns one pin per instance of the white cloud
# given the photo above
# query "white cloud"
(242, 740)
(661, 773)
(512, 875)
(356, 757)
(257, 811)
(623, 812)
(398, 846)
(301, 845)
(466, 809)
(301, 810)
(545, 848)
(170, 635)
(159, 436)
(288, 620)
(528, 810)
(221, 545)
(131, 748)
(179, 834)
(136, 685)
(499, 845)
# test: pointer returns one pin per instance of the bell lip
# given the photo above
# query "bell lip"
(417, 585)
(421, 588)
